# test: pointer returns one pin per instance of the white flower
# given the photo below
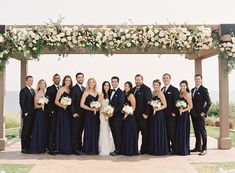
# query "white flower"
(128, 110)
(107, 110)
(181, 104)
(1, 39)
(43, 100)
(37, 37)
(155, 103)
(66, 101)
(63, 40)
(34, 48)
(128, 44)
(95, 104)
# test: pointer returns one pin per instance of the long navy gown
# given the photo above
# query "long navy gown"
(182, 133)
(129, 144)
(39, 135)
(63, 140)
(92, 128)
(158, 144)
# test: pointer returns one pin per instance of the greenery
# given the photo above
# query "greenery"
(12, 133)
(214, 110)
(214, 132)
(12, 121)
(213, 167)
(16, 168)
(29, 43)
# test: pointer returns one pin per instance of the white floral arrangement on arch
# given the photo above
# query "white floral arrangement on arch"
(29, 43)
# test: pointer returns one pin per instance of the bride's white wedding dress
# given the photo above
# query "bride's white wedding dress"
(106, 144)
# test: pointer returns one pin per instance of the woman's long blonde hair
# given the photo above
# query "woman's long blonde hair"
(90, 79)
(39, 82)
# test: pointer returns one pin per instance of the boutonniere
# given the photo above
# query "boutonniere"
(168, 92)
(198, 93)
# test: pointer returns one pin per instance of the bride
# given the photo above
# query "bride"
(106, 144)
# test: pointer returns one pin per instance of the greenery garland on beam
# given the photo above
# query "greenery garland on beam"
(28, 43)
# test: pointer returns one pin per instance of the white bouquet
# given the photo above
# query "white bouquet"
(155, 104)
(181, 104)
(107, 110)
(66, 101)
(43, 100)
(127, 110)
(96, 105)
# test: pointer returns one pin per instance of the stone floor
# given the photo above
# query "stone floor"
(45, 163)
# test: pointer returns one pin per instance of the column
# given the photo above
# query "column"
(2, 118)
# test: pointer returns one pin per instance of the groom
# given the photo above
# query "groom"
(117, 100)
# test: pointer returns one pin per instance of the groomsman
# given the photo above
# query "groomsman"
(27, 106)
(143, 96)
(78, 114)
(201, 104)
(117, 100)
(51, 110)
(172, 95)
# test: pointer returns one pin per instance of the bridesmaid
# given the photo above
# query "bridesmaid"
(92, 121)
(39, 135)
(129, 145)
(183, 122)
(63, 143)
(157, 124)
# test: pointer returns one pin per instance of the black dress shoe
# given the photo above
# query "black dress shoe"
(195, 150)
(202, 153)
(52, 152)
(171, 153)
(25, 151)
(115, 153)
(76, 152)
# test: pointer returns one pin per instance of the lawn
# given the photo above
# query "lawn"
(12, 133)
(214, 132)
(213, 167)
(15, 168)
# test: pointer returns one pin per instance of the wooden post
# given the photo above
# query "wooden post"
(224, 141)
(198, 66)
(2, 118)
(23, 74)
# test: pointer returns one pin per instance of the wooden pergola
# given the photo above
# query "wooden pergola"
(224, 141)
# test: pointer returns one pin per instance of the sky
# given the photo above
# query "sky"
(116, 12)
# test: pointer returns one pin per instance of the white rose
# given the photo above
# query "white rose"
(37, 37)
(161, 34)
(63, 40)
(128, 35)
(221, 49)
(34, 48)
(128, 44)
(126, 30)
(30, 44)
(1, 39)
(233, 39)
(111, 43)
(1, 54)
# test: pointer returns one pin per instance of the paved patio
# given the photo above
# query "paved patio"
(45, 163)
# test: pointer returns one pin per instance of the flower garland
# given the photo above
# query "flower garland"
(29, 43)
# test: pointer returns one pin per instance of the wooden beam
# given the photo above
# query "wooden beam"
(23, 74)
(198, 66)
(224, 140)
(201, 54)
(2, 117)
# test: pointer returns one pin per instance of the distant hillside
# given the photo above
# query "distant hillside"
(12, 100)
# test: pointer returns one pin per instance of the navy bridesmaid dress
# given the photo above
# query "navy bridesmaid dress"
(39, 134)
(158, 144)
(182, 133)
(129, 146)
(92, 128)
(63, 140)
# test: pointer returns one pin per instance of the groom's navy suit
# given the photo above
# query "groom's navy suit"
(115, 122)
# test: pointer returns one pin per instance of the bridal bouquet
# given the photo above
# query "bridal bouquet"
(66, 101)
(127, 110)
(96, 105)
(155, 104)
(43, 100)
(107, 110)
(181, 104)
